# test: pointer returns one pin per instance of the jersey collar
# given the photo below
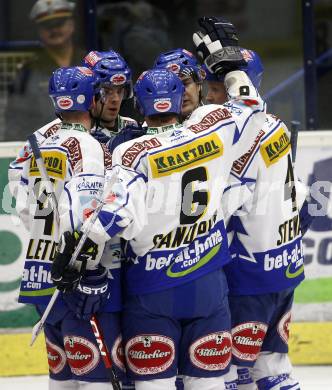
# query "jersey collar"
(73, 126)
(162, 129)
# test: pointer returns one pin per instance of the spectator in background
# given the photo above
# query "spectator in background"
(136, 29)
(29, 92)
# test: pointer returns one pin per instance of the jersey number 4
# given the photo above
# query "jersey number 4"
(44, 210)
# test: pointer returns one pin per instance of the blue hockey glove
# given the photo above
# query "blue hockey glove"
(64, 277)
(100, 136)
(217, 45)
(126, 134)
(90, 295)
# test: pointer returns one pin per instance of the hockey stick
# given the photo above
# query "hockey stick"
(104, 352)
(44, 175)
(293, 139)
(94, 322)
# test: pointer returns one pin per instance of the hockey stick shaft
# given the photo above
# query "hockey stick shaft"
(104, 352)
(44, 175)
(293, 139)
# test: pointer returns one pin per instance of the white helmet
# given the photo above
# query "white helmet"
(44, 10)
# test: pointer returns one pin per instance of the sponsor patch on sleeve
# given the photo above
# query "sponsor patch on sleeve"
(275, 147)
(55, 164)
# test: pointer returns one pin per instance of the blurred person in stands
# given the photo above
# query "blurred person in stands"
(29, 91)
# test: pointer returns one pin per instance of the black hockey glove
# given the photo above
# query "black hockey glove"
(217, 45)
(91, 294)
(64, 277)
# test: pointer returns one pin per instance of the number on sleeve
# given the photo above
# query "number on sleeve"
(290, 190)
(43, 210)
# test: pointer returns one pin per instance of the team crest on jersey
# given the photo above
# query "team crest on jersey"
(55, 164)
(162, 105)
(283, 327)
(82, 355)
(150, 354)
(210, 120)
(189, 155)
(212, 352)
(56, 357)
(64, 102)
(248, 338)
(275, 147)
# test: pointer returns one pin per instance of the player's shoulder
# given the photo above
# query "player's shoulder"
(126, 121)
(272, 124)
(49, 129)
(276, 142)
(207, 117)
(131, 151)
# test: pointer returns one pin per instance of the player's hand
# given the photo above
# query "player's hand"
(66, 278)
(90, 295)
(126, 134)
(217, 45)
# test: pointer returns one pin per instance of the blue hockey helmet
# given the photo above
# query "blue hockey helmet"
(159, 91)
(182, 62)
(111, 68)
(253, 69)
(73, 88)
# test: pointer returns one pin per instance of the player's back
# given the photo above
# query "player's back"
(266, 244)
(74, 162)
(186, 169)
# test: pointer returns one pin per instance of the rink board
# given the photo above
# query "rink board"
(313, 299)
(308, 345)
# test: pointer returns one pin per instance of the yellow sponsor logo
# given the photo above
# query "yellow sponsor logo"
(178, 159)
(55, 164)
(275, 147)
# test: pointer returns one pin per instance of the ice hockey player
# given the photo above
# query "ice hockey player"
(183, 63)
(265, 267)
(76, 163)
(166, 203)
(115, 78)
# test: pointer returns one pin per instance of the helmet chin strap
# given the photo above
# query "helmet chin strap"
(97, 119)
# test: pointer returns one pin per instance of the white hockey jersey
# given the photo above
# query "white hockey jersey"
(266, 241)
(76, 164)
(167, 191)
